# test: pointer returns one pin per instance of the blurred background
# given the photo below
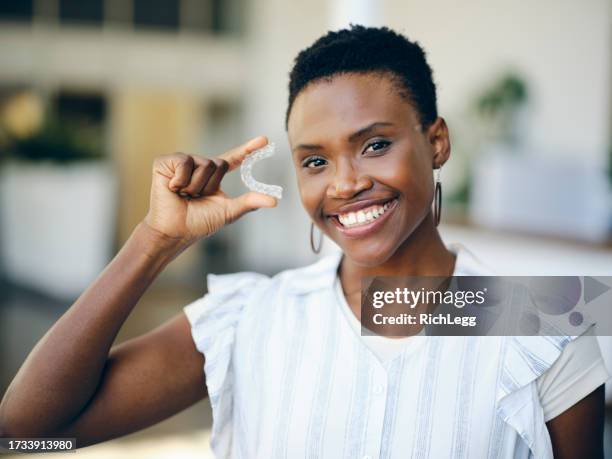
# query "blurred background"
(92, 90)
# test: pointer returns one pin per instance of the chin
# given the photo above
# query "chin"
(369, 255)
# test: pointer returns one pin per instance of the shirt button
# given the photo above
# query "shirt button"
(379, 389)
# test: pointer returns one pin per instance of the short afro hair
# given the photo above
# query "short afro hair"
(362, 49)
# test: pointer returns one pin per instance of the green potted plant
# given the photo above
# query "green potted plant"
(492, 119)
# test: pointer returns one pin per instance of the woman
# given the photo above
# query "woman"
(286, 369)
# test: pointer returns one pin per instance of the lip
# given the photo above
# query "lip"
(365, 230)
(355, 206)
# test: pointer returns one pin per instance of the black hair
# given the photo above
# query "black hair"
(362, 49)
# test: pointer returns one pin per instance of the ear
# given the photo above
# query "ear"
(438, 137)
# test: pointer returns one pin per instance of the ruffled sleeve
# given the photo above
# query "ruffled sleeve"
(526, 358)
(214, 319)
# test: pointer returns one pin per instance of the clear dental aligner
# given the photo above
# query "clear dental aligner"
(247, 177)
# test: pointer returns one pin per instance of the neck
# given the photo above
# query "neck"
(423, 253)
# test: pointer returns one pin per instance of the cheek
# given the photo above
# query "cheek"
(312, 193)
(408, 173)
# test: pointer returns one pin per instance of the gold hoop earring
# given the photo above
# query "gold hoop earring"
(312, 246)
(437, 210)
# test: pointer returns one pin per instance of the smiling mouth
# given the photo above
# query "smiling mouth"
(364, 220)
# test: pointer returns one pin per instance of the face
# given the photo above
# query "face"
(363, 164)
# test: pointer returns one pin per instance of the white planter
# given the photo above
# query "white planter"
(541, 194)
(56, 224)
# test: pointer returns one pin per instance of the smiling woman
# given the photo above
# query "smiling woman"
(286, 368)
(359, 144)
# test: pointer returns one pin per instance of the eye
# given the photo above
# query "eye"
(377, 146)
(313, 162)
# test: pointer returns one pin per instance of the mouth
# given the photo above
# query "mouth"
(364, 221)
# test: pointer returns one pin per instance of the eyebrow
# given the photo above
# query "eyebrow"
(366, 130)
(351, 138)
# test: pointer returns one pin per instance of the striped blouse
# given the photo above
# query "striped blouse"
(287, 376)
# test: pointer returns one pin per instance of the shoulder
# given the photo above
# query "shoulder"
(312, 277)
(247, 286)
(279, 297)
(243, 297)
(468, 263)
(289, 283)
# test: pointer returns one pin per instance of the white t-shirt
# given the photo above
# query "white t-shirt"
(577, 372)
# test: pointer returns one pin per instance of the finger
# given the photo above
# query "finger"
(221, 167)
(199, 177)
(235, 156)
(183, 166)
(249, 201)
(210, 167)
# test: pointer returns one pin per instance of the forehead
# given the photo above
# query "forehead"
(344, 103)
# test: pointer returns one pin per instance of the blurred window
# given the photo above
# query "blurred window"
(89, 108)
(16, 10)
(218, 17)
(160, 14)
(227, 16)
(88, 11)
(196, 15)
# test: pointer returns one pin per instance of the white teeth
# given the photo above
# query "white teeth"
(363, 216)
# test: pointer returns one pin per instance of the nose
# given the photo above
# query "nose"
(347, 181)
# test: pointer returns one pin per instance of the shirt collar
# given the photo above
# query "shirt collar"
(317, 276)
(321, 274)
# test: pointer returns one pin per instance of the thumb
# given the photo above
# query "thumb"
(235, 156)
(246, 202)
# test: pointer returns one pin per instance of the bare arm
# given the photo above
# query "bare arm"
(73, 383)
(578, 431)
(70, 371)
(146, 380)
